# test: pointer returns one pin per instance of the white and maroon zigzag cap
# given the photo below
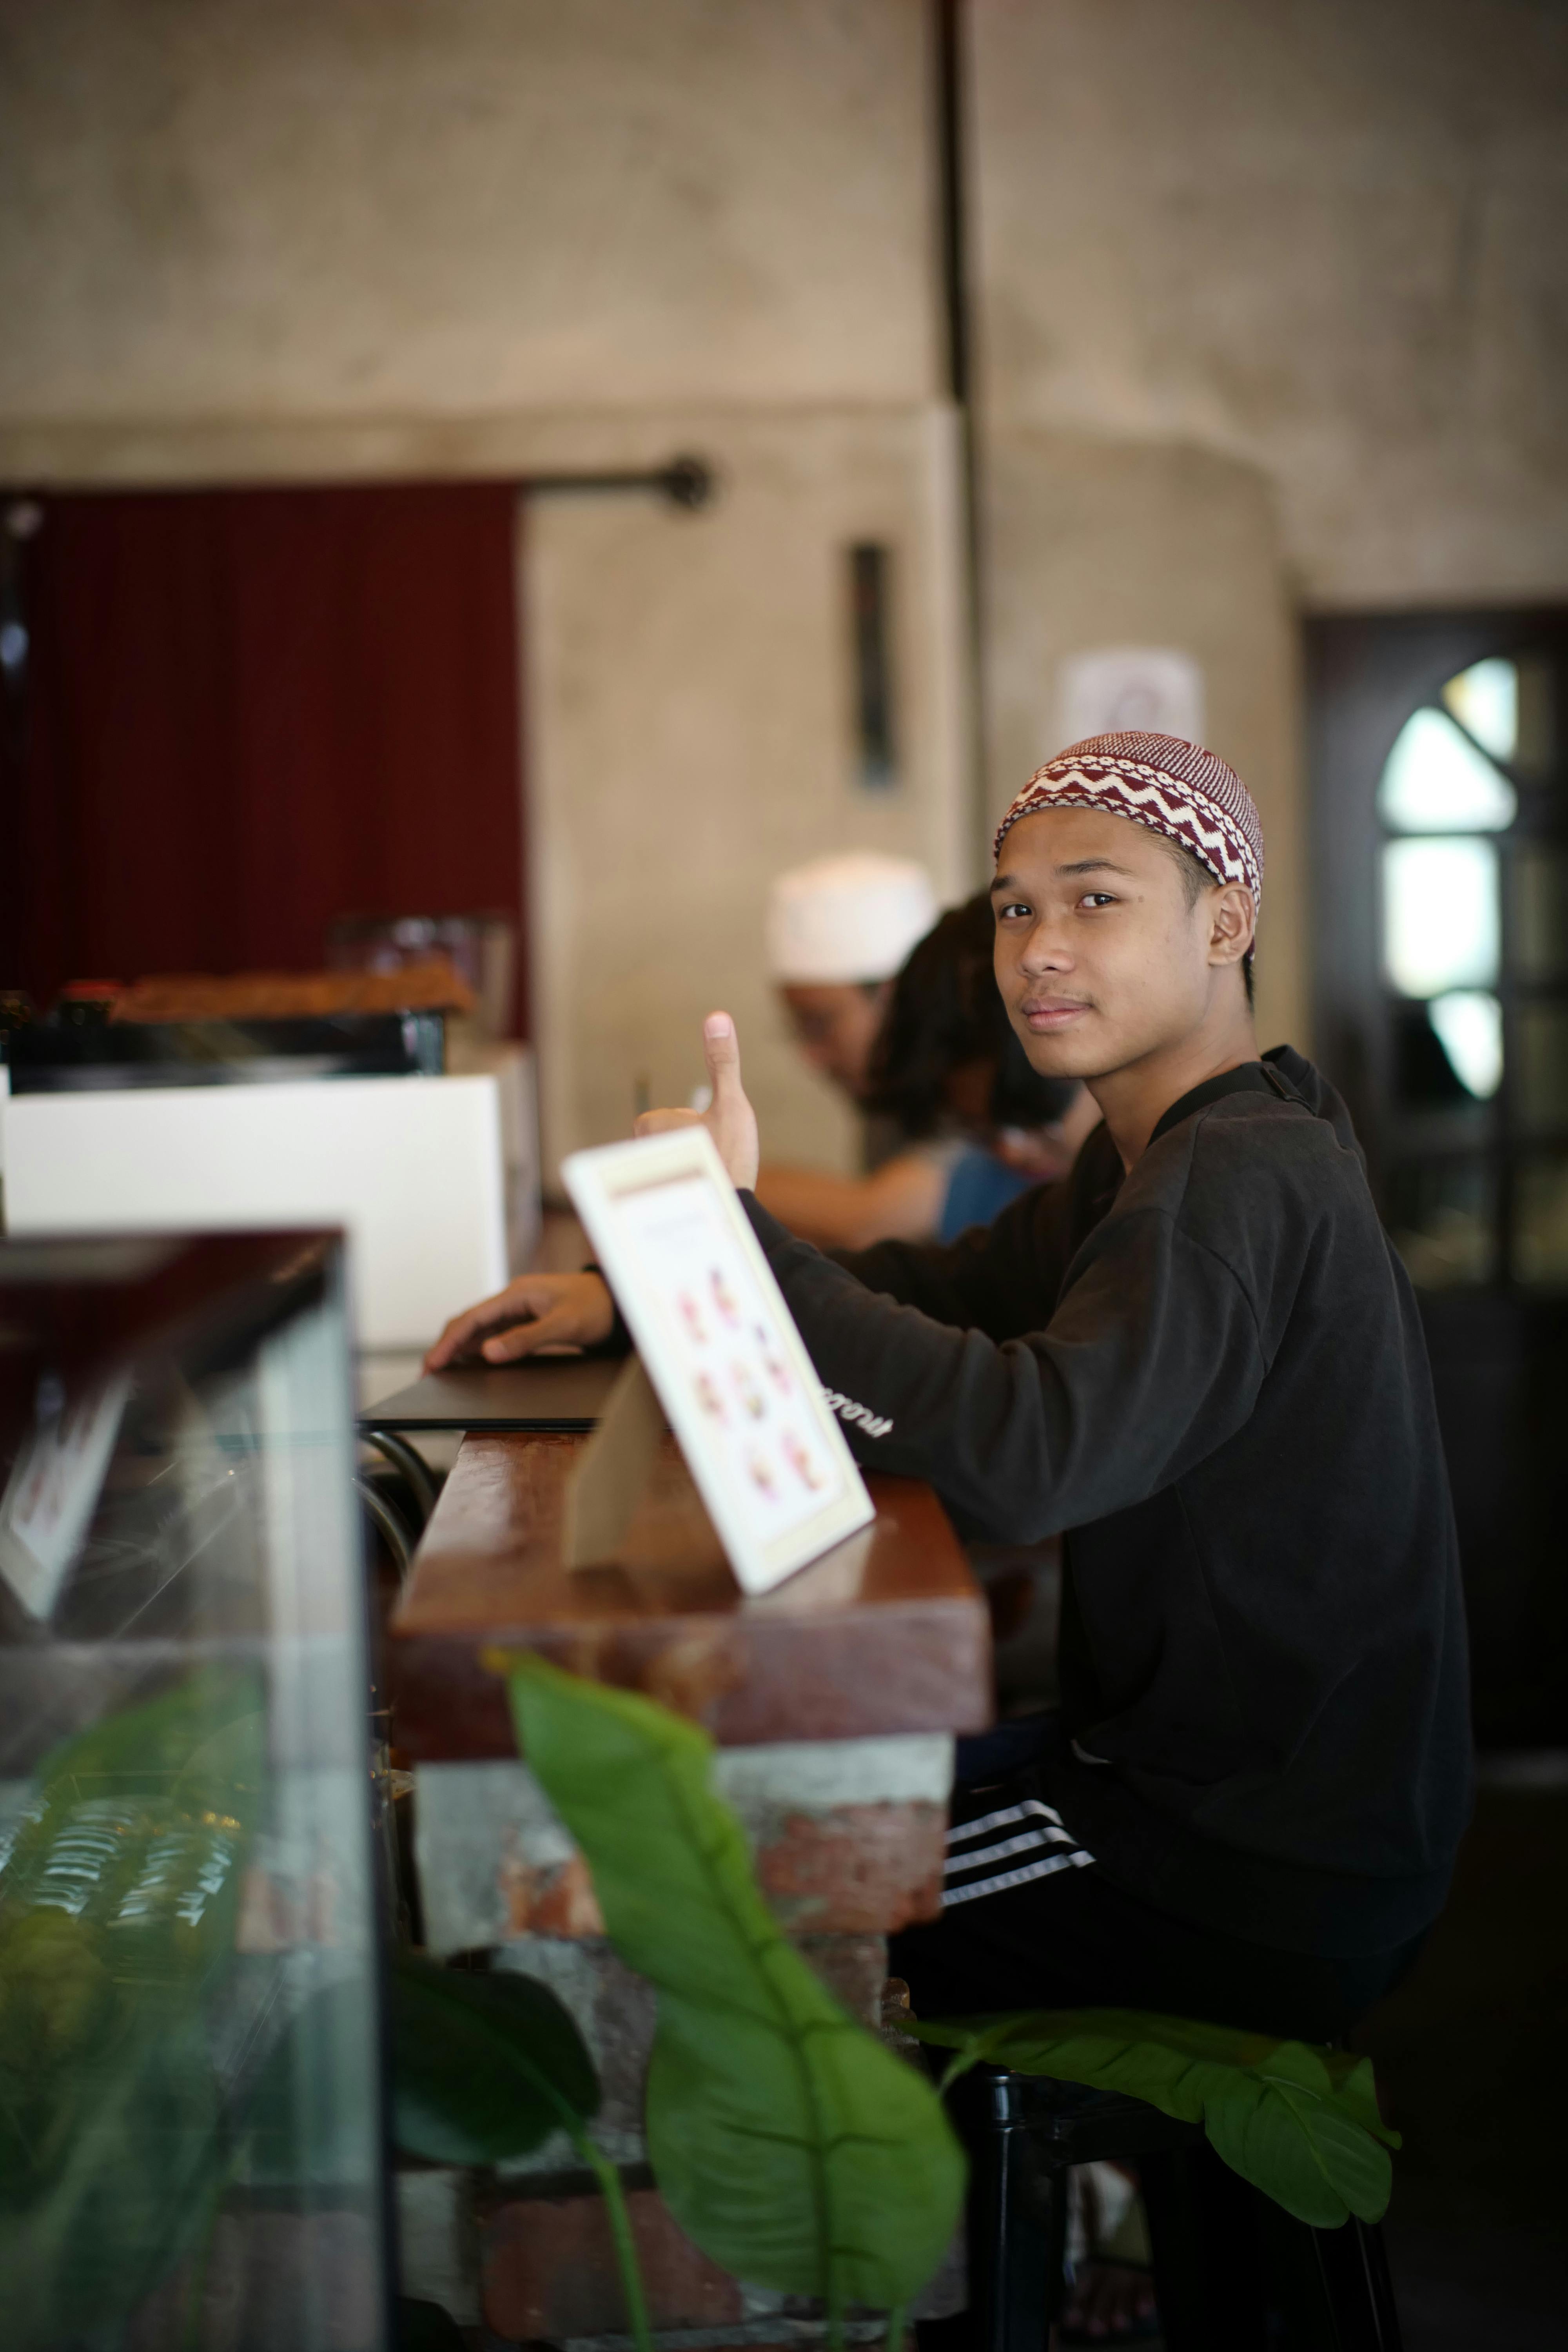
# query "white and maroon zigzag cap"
(1157, 780)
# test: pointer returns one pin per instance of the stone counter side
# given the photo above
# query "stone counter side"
(834, 1701)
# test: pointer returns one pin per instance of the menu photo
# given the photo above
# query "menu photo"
(721, 1349)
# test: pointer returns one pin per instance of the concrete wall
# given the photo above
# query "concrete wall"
(1116, 543)
(692, 710)
(1323, 238)
(270, 208)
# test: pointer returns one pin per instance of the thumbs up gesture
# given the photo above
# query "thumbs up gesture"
(728, 1119)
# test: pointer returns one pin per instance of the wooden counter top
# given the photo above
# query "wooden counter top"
(886, 1633)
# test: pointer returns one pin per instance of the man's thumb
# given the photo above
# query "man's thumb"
(721, 1051)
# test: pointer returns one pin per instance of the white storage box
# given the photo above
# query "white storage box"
(412, 1168)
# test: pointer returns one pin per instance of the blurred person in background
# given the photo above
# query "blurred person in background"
(837, 932)
(945, 1074)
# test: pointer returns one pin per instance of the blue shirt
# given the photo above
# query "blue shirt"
(980, 1187)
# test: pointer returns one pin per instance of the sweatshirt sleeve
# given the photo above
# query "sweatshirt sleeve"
(975, 1281)
(1149, 1361)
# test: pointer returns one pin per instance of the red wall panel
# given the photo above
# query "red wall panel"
(247, 711)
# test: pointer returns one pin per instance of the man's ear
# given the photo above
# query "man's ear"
(1233, 923)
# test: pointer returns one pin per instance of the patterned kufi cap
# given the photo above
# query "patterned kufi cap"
(1174, 788)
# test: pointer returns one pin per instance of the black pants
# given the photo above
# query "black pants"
(1072, 1939)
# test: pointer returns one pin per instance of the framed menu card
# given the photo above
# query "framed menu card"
(722, 1352)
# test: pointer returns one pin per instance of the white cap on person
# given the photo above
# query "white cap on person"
(847, 919)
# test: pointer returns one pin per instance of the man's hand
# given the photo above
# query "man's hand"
(537, 1310)
(728, 1119)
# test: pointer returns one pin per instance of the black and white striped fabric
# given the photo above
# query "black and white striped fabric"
(1007, 1846)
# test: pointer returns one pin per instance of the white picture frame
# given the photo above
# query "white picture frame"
(721, 1347)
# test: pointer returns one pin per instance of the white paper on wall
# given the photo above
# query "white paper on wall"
(1115, 689)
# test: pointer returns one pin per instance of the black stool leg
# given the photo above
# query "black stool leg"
(1234, 2272)
(1202, 2227)
(1009, 2297)
(1016, 2221)
(1354, 2270)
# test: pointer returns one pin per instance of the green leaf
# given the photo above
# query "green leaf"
(1356, 2093)
(789, 2144)
(118, 1901)
(1305, 2112)
(129, 2191)
(1270, 2141)
(484, 2067)
(426, 2327)
(137, 1839)
(1301, 2123)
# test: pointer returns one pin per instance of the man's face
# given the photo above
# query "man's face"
(1100, 959)
(836, 1027)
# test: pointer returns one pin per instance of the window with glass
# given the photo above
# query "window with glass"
(1439, 914)
(1473, 926)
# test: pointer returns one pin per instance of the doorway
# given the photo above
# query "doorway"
(1439, 764)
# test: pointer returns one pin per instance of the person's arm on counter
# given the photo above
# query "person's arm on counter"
(537, 1310)
(993, 1278)
(1150, 1362)
(974, 1282)
(899, 1201)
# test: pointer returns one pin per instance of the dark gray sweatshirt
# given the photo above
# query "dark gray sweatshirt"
(1209, 1375)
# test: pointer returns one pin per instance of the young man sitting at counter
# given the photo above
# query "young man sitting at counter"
(1200, 1360)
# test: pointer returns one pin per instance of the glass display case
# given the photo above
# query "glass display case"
(192, 2142)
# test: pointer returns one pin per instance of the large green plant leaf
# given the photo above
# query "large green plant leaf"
(484, 2067)
(118, 1901)
(789, 2143)
(1301, 2123)
(129, 2193)
(426, 2327)
(148, 1748)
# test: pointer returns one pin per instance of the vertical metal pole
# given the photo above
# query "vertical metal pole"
(1014, 2222)
(949, 26)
